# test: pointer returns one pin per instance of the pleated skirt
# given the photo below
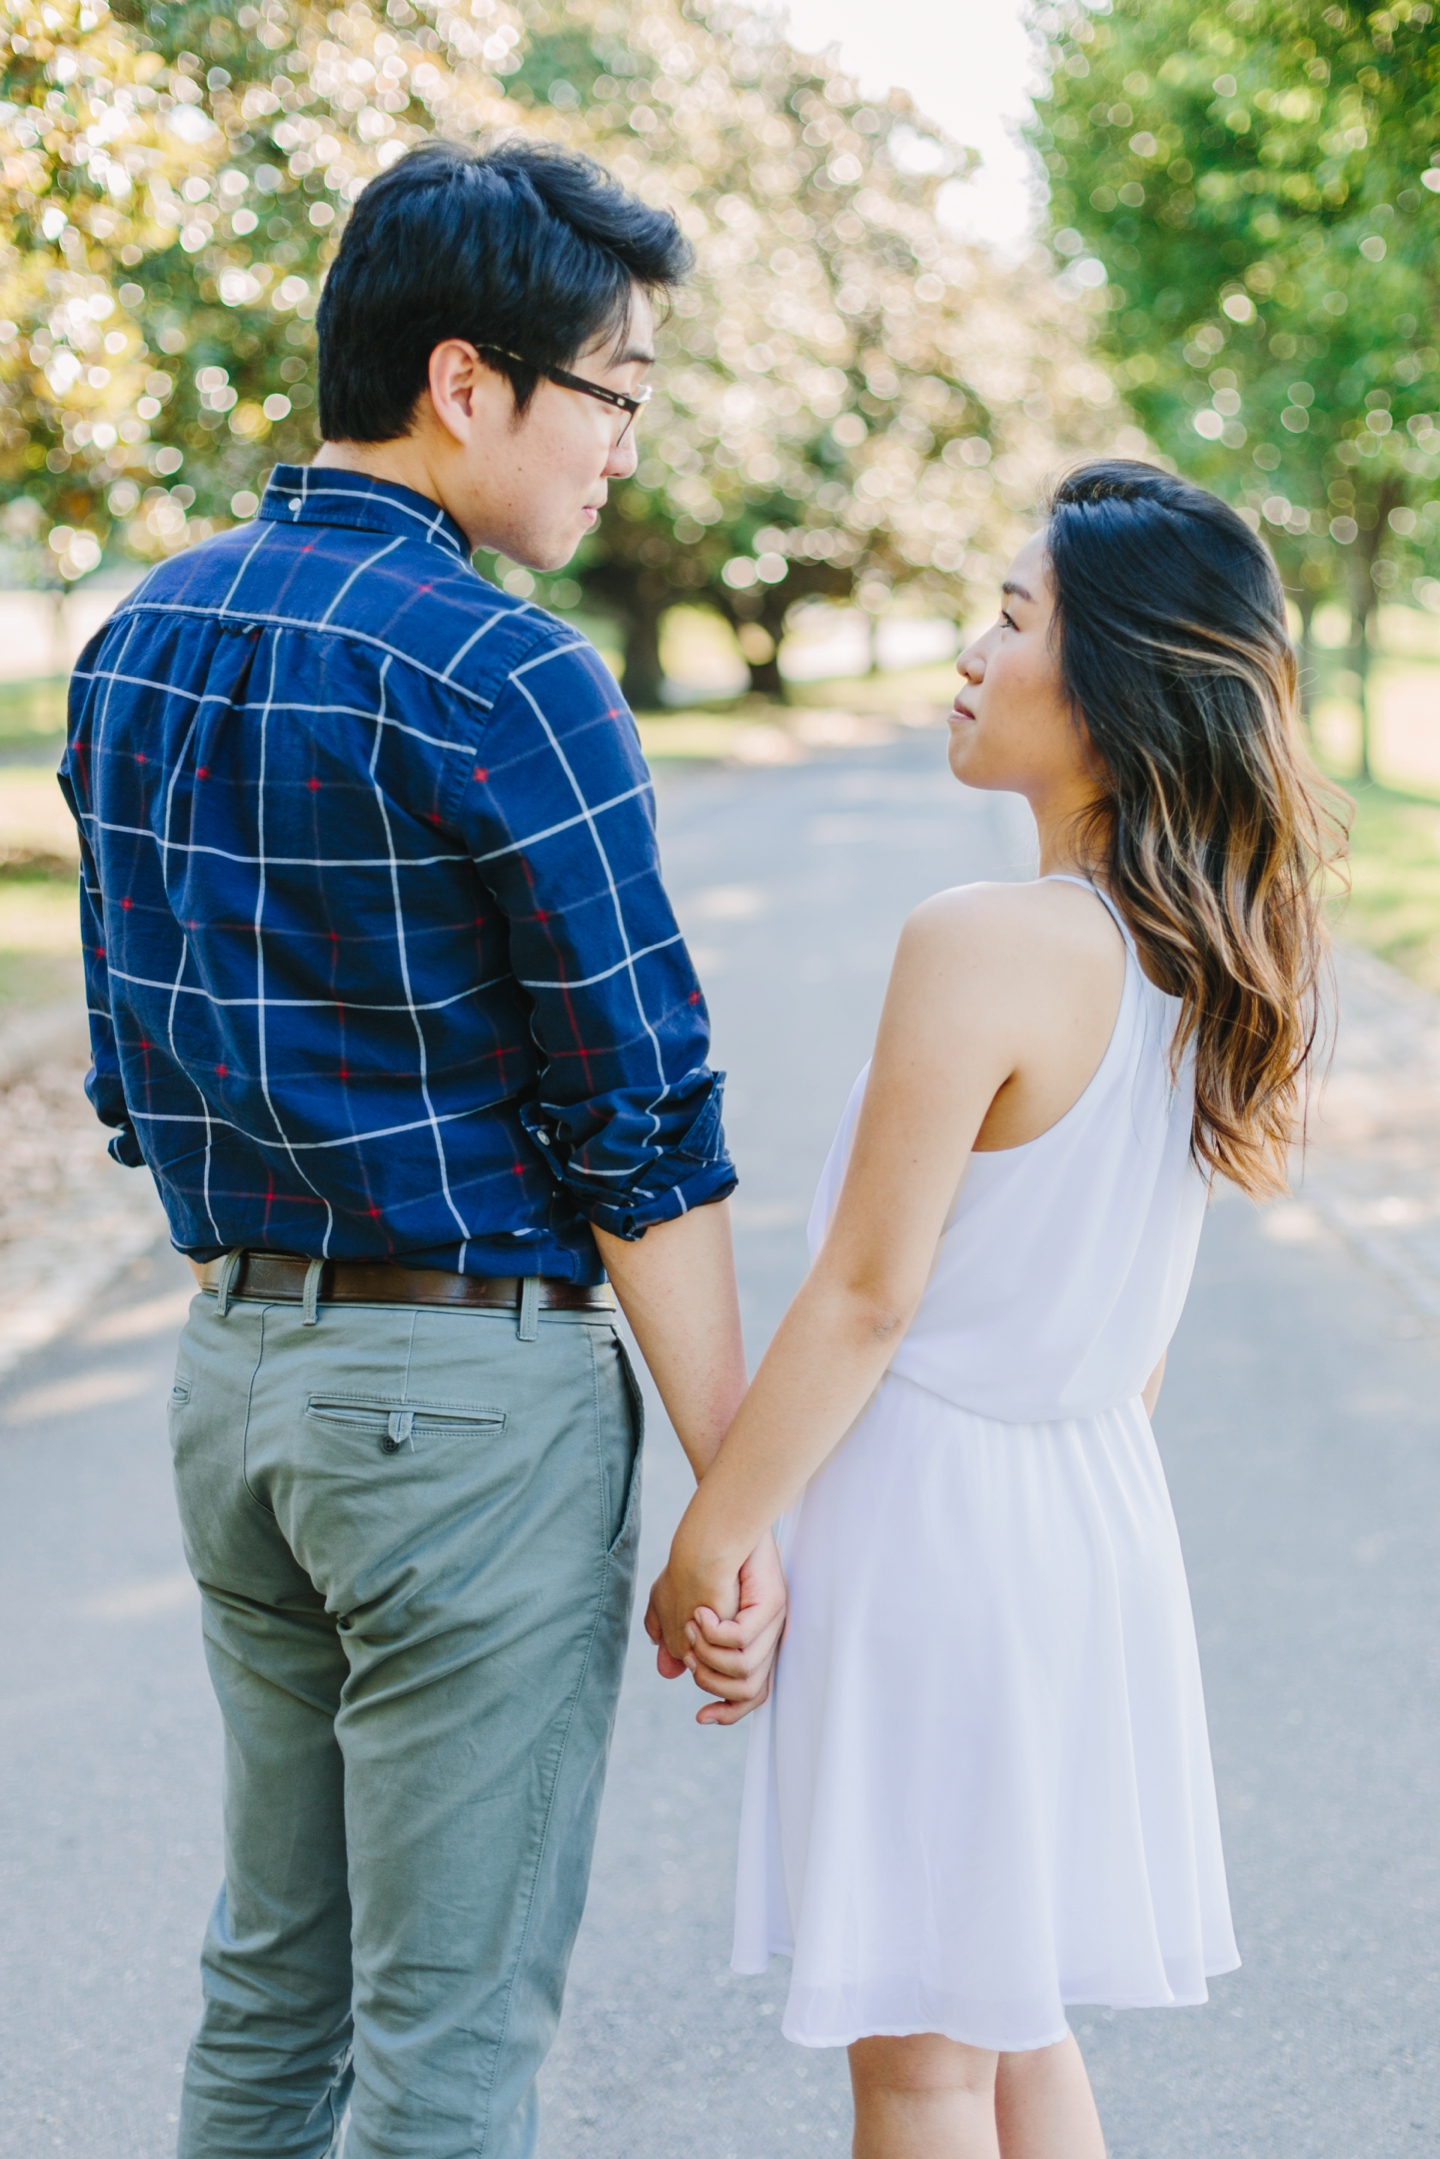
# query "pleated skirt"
(981, 1790)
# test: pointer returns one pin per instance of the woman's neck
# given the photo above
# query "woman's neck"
(1063, 824)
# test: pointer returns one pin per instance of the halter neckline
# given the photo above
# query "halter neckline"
(1086, 884)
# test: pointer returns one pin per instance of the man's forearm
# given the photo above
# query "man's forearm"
(676, 1287)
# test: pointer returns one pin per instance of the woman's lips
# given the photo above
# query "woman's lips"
(960, 712)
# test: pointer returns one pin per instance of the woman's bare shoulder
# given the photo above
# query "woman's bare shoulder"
(1042, 923)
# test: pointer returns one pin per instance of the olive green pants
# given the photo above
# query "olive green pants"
(414, 1534)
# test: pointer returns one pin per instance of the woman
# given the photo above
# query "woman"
(981, 1789)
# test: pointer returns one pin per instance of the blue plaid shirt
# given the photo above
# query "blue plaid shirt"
(380, 964)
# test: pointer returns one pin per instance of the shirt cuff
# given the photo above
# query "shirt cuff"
(125, 1148)
(692, 1171)
(638, 1211)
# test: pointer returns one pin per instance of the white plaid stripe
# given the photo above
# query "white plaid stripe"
(589, 1069)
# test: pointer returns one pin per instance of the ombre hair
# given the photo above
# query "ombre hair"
(1214, 833)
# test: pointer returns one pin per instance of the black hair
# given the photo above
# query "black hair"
(524, 247)
(1213, 834)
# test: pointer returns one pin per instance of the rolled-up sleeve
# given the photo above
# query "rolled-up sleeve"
(558, 815)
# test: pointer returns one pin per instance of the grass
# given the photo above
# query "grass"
(39, 936)
(39, 946)
(726, 727)
(1393, 906)
(32, 717)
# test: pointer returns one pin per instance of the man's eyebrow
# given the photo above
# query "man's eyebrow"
(633, 353)
(1016, 591)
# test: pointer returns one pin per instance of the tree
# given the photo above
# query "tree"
(174, 177)
(91, 155)
(850, 402)
(1257, 187)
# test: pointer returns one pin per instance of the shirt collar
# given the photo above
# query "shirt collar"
(326, 495)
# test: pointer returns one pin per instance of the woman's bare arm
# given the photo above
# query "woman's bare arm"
(1150, 1394)
(960, 1018)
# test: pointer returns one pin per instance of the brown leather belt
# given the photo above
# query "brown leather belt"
(272, 1278)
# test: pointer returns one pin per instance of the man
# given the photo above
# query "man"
(387, 994)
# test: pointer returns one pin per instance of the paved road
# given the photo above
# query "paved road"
(1300, 1430)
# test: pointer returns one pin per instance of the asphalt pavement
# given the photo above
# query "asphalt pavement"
(1301, 1431)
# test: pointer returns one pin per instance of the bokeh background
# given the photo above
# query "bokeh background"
(939, 257)
(945, 248)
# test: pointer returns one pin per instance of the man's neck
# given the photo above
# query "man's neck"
(402, 462)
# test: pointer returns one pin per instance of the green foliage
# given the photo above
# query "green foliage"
(1261, 183)
(843, 401)
(850, 401)
(172, 183)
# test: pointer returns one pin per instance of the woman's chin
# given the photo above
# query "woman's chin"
(964, 763)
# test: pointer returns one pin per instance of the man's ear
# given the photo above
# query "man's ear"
(464, 392)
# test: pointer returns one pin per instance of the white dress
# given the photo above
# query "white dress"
(981, 1788)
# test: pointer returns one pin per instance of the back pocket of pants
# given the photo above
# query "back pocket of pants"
(396, 1425)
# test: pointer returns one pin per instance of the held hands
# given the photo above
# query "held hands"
(722, 1627)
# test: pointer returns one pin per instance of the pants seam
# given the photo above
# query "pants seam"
(602, 1476)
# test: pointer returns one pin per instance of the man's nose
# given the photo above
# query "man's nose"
(623, 458)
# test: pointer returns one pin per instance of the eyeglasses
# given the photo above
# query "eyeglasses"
(628, 402)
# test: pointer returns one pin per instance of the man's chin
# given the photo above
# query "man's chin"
(545, 561)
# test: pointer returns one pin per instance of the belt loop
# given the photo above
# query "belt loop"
(309, 1302)
(529, 1328)
(229, 1268)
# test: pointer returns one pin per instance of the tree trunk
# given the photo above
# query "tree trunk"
(643, 675)
(1362, 651)
(1364, 617)
(766, 679)
(59, 641)
(1306, 604)
(1362, 601)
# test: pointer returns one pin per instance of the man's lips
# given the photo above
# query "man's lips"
(961, 712)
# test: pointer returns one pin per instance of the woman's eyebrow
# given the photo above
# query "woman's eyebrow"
(1014, 591)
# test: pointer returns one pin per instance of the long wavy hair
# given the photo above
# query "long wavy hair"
(1213, 833)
